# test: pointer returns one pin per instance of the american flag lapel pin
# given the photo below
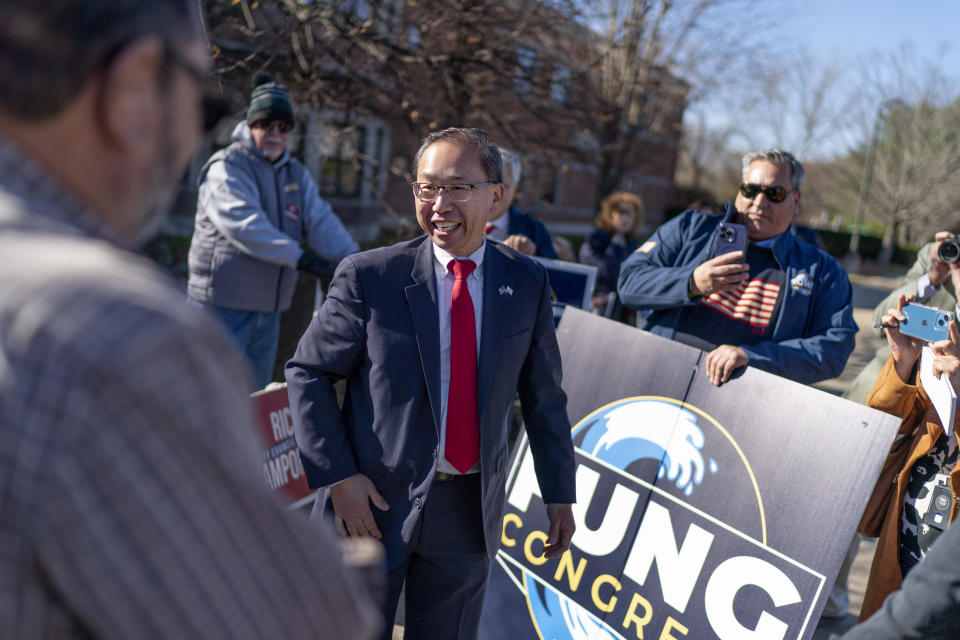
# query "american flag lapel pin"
(504, 289)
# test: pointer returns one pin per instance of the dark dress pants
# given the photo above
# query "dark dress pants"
(445, 568)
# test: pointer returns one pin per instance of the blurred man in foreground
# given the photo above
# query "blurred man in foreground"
(131, 504)
(927, 605)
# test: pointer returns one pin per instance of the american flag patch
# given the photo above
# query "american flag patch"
(752, 302)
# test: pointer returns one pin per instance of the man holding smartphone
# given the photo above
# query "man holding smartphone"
(779, 304)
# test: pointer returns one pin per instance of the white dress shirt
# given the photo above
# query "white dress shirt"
(445, 280)
(925, 288)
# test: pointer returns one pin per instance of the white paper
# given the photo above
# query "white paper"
(939, 390)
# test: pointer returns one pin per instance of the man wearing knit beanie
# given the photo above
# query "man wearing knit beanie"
(259, 219)
(270, 116)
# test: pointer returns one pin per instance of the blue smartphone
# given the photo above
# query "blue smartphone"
(926, 323)
(731, 237)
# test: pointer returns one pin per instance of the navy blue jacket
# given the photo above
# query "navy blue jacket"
(814, 331)
(527, 225)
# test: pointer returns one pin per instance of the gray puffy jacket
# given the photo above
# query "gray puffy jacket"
(252, 216)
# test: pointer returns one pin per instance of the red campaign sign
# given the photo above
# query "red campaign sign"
(282, 469)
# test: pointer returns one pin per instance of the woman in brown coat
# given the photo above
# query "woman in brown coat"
(916, 496)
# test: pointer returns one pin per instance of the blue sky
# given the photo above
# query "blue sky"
(844, 36)
(860, 27)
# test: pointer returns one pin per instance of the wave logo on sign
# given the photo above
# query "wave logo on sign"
(634, 430)
(637, 435)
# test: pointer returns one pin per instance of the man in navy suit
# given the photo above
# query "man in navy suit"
(392, 325)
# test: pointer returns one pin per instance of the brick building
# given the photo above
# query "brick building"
(371, 77)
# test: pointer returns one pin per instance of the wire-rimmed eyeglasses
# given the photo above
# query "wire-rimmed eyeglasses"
(426, 192)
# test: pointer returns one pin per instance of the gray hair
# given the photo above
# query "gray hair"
(466, 137)
(778, 157)
(50, 50)
(512, 165)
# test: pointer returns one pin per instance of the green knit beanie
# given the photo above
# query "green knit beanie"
(269, 101)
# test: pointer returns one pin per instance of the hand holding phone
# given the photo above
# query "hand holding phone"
(722, 273)
(904, 349)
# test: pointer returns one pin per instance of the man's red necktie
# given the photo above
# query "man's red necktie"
(463, 430)
(487, 230)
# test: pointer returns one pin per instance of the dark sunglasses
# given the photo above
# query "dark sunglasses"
(774, 193)
(282, 127)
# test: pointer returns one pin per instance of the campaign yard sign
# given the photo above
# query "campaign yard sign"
(702, 512)
(280, 458)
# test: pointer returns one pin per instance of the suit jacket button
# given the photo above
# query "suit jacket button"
(418, 503)
(435, 454)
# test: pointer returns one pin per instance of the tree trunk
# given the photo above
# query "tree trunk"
(889, 243)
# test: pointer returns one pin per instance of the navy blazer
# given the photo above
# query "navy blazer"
(378, 328)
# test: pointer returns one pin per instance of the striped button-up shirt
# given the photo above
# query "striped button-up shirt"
(131, 504)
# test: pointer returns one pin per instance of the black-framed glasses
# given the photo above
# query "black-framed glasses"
(426, 192)
(282, 126)
(774, 193)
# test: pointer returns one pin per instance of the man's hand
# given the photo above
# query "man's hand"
(521, 243)
(351, 503)
(939, 271)
(723, 361)
(904, 349)
(314, 264)
(722, 273)
(599, 303)
(561, 530)
(946, 356)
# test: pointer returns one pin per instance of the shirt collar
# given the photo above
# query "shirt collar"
(442, 258)
(782, 247)
(767, 243)
(42, 196)
(502, 221)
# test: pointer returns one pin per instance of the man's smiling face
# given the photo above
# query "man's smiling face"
(456, 227)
